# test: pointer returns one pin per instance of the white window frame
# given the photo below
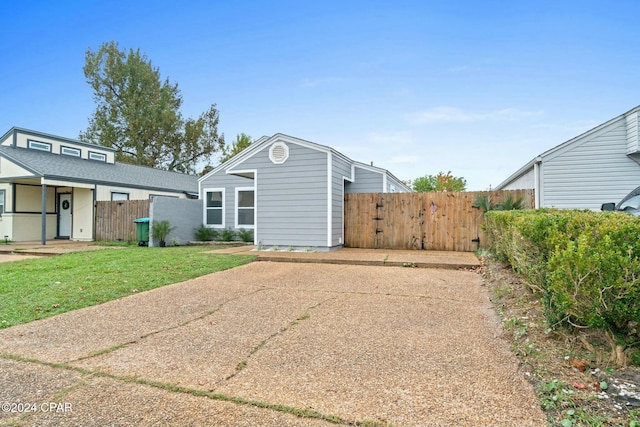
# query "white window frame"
(70, 151)
(39, 145)
(247, 226)
(98, 157)
(204, 218)
(2, 200)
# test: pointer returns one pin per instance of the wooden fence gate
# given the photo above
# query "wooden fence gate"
(432, 221)
(114, 220)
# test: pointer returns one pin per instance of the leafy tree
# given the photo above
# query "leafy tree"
(242, 141)
(139, 115)
(441, 182)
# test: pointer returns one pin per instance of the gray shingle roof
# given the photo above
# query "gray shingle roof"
(55, 166)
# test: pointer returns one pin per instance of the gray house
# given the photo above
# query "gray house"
(289, 191)
(599, 166)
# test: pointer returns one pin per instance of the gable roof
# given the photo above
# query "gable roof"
(565, 145)
(61, 167)
(264, 141)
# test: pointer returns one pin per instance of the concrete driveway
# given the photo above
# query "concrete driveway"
(274, 343)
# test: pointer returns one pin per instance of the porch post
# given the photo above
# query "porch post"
(44, 214)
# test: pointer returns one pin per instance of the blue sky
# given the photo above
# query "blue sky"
(477, 88)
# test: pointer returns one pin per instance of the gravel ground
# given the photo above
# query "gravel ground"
(377, 344)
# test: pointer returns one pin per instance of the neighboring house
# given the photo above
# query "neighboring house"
(599, 166)
(49, 185)
(289, 191)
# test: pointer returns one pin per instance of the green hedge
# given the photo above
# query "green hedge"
(585, 264)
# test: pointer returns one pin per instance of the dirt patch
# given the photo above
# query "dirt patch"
(576, 384)
(14, 257)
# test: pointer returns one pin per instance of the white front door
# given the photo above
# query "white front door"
(64, 215)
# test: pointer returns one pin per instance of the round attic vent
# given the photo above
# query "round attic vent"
(279, 153)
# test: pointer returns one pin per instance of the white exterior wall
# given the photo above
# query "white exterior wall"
(524, 181)
(82, 215)
(29, 199)
(27, 227)
(6, 227)
(9, 169)
(591, 171)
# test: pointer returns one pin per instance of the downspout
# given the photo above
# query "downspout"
(536, 177)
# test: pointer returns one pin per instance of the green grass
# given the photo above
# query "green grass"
(37, 288)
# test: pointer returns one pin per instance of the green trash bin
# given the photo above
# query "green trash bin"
(142, 224)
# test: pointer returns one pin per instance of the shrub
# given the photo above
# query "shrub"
(586, 265)
(245, 235)
(161, 229)
(227, 235)
(205, 234)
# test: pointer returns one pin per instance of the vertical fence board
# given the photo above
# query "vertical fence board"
(432, 221)
(114, 220)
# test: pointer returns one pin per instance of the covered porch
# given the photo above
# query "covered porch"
(41, 209)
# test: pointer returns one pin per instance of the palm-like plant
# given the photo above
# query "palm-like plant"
(483, 201)
(510, 203)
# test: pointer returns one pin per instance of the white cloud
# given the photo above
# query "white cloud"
(457, 115)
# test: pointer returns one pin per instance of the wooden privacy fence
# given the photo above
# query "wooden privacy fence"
(433, 221)
(114, 220)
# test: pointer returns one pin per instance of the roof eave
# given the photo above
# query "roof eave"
(524, 169)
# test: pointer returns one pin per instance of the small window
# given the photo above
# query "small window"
(153, 196)
(41, 146)
(97, 156)
(1, 201)
(214, 209)
(118, 196)
(245, 208)
(69, 151)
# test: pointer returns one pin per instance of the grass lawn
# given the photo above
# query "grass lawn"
(37, 288)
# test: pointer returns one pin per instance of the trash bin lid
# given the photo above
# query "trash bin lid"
(141, 220)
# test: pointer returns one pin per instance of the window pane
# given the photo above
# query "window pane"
(245, 199)
(245, 216)
(119, 196)
(214, 216)
(632, 203)
(214, 199)
(97, 156)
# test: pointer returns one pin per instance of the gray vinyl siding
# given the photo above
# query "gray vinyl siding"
(341, 169)
(229, 183)
(632, 133)
(590, 172)
(365, 181)
(392, 183)
(291, 197)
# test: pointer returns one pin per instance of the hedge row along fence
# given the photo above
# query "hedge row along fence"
(586, 266)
